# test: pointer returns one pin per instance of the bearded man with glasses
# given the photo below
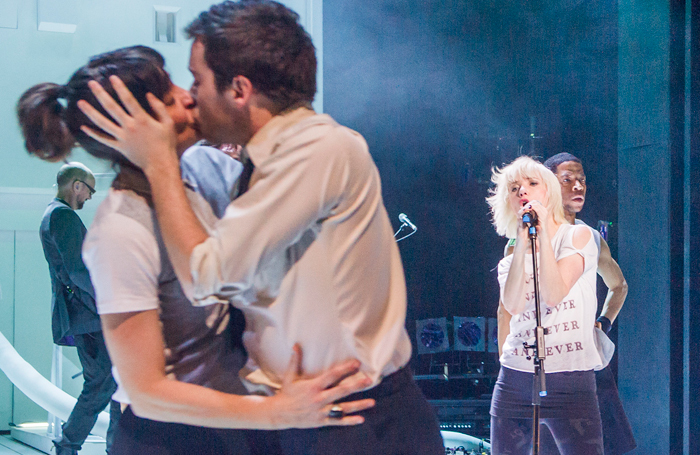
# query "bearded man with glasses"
(74, 319)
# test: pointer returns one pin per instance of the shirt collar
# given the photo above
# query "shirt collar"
(263, 143)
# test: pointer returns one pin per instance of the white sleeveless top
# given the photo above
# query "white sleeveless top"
(569, 344)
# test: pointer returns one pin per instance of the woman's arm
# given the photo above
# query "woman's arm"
(555, 277)
(558, 277)
(136, 343)
(514, 293)
(504, 318)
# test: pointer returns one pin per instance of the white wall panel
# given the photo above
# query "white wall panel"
(32, 337)
(7, 259)
(31, 56)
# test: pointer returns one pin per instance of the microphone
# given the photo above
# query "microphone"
(530, 218)
(404, 219)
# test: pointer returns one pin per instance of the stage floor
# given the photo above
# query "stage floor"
(9, 446)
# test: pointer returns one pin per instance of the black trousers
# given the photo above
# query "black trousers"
(401, 423)
(98, 388)
(135, 435)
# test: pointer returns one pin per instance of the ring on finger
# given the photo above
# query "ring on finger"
(336, 412)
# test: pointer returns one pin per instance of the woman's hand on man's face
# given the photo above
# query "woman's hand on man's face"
(146, 141)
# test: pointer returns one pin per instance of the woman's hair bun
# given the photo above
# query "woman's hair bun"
(41, 119)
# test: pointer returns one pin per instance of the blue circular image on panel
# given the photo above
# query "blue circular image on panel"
(469, 333)
(432, 336)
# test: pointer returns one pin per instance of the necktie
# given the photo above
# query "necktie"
(244, 179)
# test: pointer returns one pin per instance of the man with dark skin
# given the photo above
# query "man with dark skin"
(617, 434)
(74, 318)
(573, 191)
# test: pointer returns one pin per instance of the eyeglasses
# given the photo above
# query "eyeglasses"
(91, 189)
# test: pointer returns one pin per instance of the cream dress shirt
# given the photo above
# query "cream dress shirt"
(308, 254)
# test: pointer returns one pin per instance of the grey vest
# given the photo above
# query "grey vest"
(203, 345)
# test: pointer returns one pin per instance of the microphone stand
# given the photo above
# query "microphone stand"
(405, 223)
(539, 387)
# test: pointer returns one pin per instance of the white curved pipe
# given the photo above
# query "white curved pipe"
(39, 389)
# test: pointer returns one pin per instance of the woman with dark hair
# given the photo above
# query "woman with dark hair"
(568, 259)
(173, 362)
(51, 127)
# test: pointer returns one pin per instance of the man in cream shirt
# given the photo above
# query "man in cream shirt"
(306, 250)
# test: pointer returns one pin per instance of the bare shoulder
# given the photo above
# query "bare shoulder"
(582, 235)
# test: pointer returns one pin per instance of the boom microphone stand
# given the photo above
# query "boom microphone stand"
(539, 387)
(405, 223)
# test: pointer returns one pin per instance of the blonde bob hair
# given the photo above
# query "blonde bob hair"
(505, 220)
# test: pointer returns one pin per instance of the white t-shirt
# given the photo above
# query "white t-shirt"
(569, 345)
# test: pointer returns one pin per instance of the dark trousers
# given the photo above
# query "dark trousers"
(98, 388)
(135, 435)
(401, 423)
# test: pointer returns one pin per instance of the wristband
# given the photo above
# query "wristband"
(605, 323)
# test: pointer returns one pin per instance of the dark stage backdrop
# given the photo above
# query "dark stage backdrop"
(443, 90)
